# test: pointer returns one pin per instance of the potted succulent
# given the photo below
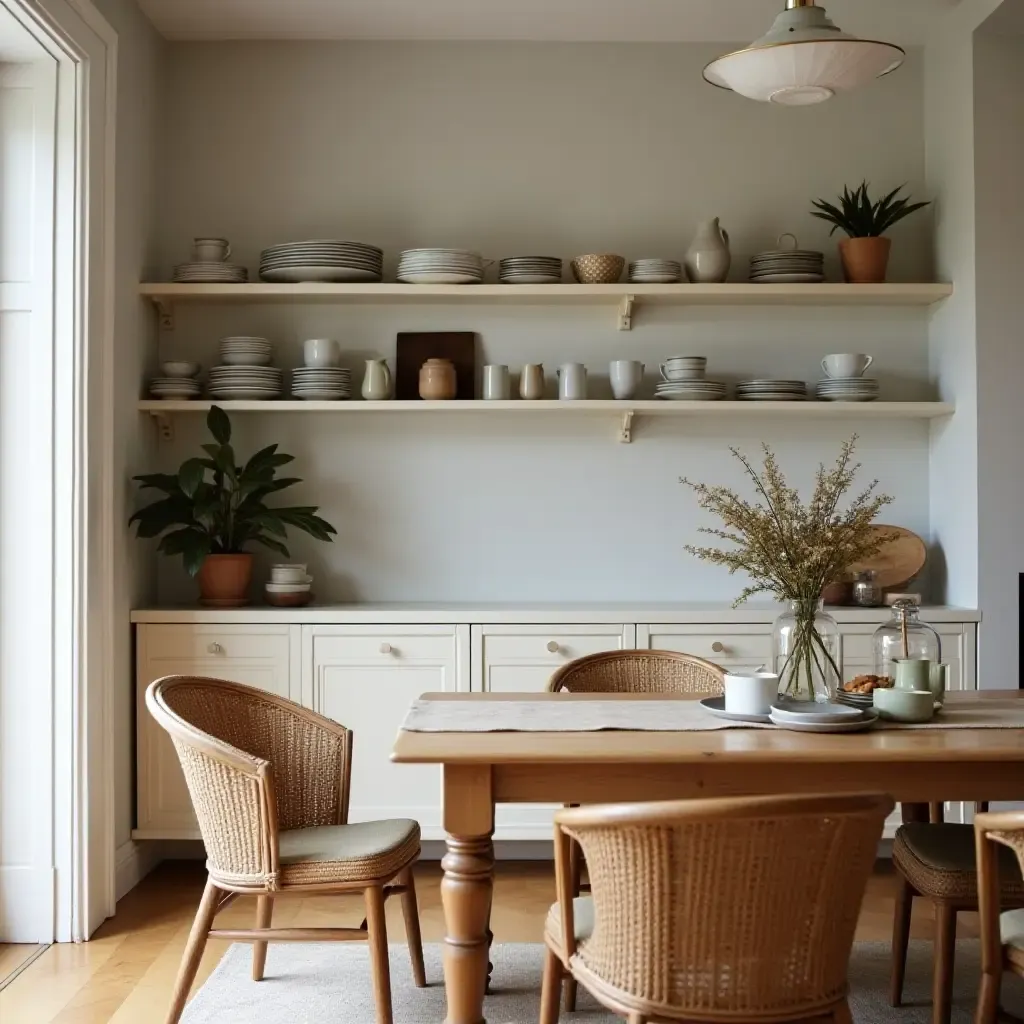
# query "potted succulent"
(213, 509)
(865, 253)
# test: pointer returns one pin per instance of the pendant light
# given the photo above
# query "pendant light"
(803, 59)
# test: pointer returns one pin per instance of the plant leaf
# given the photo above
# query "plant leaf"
(167, 482)
(269, 542)
(190, 476)
(219, 424)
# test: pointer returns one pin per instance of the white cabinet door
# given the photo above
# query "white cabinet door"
(257, 655)
(365, 678)
(518, 659)
(731, 646)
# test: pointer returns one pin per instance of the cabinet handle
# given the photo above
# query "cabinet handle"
(553, 646)
(718, 647)
(386, 649)
(215, 648)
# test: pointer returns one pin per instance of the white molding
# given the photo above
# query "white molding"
(132, 862)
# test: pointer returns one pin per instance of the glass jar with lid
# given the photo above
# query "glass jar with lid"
(904, 636)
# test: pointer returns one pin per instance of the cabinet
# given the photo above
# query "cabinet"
(728, 645)
(262, 656)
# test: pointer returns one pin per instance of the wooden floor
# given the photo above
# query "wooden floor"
(125, 974)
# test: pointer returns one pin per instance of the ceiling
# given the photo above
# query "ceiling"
(901, 21)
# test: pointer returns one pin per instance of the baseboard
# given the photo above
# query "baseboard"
(27, 903)
(132, 862)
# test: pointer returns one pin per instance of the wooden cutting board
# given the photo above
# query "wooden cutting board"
(899, 561)
(414, 349)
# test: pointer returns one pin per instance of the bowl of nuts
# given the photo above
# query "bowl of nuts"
(859, 692)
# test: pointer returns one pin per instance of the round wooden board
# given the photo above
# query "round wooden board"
(899, 561)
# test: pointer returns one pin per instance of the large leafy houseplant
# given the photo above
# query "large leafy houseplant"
(215, 507)
(865, 250)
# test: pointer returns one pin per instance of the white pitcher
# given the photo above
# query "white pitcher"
(376, 381)
(708, 259)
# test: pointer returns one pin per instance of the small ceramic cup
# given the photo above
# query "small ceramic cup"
(625, 376)
(910, 706)
(531, 381)
(913, 674)
(437, 380)
(751, 693)
(288, 573)
(572, 382)
(496, 386)
(846, 364)
(321, 352)
(210, 250)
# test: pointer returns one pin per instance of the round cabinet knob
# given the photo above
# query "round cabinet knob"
(718, 647)
(386, 649)
(215, 648)
(553, 646)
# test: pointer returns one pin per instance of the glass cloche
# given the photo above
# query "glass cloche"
(904, 636)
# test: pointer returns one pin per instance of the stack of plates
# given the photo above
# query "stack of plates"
(530, 270)
(321, 260)
(788, 266)
(807, 716)
(244, 351)
(655, 272)
(863, 701)
(848, 389)
(174, 387)
(771, 391)
(245, 382)
(210, 273)
(690, 390)
(441, 266)
(321, 383)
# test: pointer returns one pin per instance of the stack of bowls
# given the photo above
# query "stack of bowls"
(655, 272)
(178, 381)
(771, 391)
(289, 586)
(322, 260)
(245, 373)
(848, 389)
(530, 270)
(239, 350)
(683, 380)
(441, 266)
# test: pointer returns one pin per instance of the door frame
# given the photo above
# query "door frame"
(76, 681)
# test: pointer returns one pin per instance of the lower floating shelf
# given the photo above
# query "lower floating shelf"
(627, 410)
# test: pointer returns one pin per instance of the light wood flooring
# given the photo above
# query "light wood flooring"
(125, 974)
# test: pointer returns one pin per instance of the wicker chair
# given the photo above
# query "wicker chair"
(632, 672)
(937, 860)
(1002, 936)
(269, 781)
(713, 910)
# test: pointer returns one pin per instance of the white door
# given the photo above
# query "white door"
(365, 678)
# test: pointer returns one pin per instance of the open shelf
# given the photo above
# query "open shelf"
(626, 411)
(624, 298)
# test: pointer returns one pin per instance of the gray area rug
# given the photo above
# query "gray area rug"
(331, 982)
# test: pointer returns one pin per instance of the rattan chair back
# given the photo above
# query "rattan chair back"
(640, 672)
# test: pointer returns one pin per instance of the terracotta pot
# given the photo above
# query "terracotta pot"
(224, 580)
(865, 260)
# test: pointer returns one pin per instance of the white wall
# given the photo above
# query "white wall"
(515, 148)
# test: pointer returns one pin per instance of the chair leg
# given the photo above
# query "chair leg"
(264, 913)
(841, 1014)
(636, 1018)
(988, 999)
(570, 986)
(900, 938)
(945, 948)
(411, 913)
(551, 987)
(378, 936)
(193, 951)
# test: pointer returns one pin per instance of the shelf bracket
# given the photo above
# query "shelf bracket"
(165, 425)
(626, 312)
(626, 431)
(165, 314)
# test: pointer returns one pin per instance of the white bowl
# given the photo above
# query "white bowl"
(287, 588)
(182, 369)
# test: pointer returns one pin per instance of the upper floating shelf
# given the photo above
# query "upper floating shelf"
(623, 296)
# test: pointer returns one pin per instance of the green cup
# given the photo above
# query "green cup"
(913, 674)
(938, 681)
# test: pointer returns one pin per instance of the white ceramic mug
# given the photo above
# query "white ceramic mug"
(531, 381)
(496, 386)
(625, 376)
(846, 364)
(210, 250)
(321, 352)
(750, 693)
(572, 382)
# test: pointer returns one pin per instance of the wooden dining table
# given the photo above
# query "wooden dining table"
(481, 769)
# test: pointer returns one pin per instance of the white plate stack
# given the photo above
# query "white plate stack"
(210, 273)
(323, 260)
(321, 383)
(290, 586)
(848, 389)
(530, 270)
(771, 391)
(683, 380)
(172, 388)
(440, 266)
(655, 272)
(240, 350)
(788, 266)
(245, 373)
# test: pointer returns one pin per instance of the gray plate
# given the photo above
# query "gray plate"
(716, 705)
(866, 721)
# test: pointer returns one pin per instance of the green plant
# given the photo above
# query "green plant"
(213, 506)
(859, 217)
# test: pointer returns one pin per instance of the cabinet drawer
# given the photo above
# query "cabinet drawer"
(185, 643)
(388, 648)
(724, 645)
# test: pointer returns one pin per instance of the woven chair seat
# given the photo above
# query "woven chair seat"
(939, 861)
(363, 851)
(582, 920)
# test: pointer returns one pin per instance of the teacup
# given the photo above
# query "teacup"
(846, 364)
(910, 706)
(684, 368)
(321, 352)
(913, 674)
(750, 693)
(210, 250)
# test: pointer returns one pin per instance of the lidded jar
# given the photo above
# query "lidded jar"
(904, 636)
(437, 380)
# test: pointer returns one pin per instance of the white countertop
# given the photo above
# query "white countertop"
(521, 613)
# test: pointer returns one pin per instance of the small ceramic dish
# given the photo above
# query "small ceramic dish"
(912, 707)
(179, 369)
(288, 588)
(810, 711)
(297, 600)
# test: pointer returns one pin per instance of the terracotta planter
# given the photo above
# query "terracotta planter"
(865, 260)
(224, 580)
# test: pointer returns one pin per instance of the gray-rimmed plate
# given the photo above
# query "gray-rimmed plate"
(716, 705)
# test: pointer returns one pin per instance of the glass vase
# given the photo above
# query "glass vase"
(805, 641)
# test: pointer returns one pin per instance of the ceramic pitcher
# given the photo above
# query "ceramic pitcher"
(708, 259)
(376, 381)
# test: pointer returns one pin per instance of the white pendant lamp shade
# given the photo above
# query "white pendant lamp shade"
(804, 59)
